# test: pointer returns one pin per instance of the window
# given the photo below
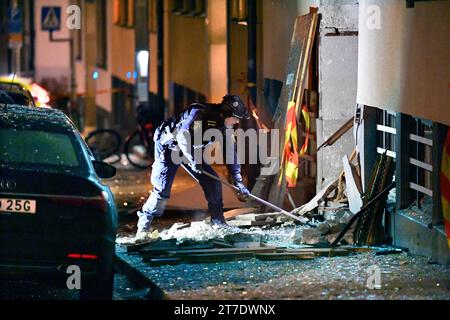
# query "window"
(101, 34)
(123, 13)
(37, 148)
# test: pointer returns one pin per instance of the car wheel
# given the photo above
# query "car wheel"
(95, 289)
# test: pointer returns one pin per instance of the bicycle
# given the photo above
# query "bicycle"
(138, 146)
(104, 144)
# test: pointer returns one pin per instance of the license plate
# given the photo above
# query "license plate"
(17, 206)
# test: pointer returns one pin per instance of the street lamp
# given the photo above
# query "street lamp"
(142, 64)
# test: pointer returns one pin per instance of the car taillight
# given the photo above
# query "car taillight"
(82, 256)
(97, 203)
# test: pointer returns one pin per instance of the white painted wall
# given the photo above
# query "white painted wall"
(51, 59)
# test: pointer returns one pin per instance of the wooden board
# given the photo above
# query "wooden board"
(243, 223)
(322, 252)
(222, 251)
(257, 216)
(285, 256)
(155, 244)
(353, 186)
(236, 212)
(216, 257)
(293, 88)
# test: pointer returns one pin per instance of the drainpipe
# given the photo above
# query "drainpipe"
(160, 28)
(252, 170)
(142, 54)
(252, 38)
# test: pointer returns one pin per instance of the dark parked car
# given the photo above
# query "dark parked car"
(54, 210)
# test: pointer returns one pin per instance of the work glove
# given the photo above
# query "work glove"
(242, 189)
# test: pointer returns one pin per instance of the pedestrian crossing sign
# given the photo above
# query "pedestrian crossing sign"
(50, 18)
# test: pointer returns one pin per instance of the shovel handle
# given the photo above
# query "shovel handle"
(262, 201)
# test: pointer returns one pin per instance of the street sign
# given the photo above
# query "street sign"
(51, 18)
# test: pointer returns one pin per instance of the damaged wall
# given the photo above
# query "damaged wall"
(338, 65)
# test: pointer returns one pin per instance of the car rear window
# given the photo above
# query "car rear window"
(34, 147)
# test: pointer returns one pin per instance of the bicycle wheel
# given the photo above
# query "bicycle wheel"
(104, 143)
(137, 153)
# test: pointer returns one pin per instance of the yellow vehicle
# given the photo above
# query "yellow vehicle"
(24, 91)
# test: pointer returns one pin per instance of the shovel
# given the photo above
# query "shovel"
(262, 201)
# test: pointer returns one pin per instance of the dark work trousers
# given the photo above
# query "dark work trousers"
(163, 174)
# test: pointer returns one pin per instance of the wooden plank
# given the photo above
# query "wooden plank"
(257, 216)
(293, 89)
(153, 244)
(223, 251)
(322, 252)
(314, 203)
(236, 212)
(353, 186)
(338, 134)
(285, 256)
(244, 223)
(214, 257)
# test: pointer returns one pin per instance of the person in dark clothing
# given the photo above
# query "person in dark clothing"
(174, 137)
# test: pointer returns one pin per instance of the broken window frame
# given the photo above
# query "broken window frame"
(421, 161)
(414, 153)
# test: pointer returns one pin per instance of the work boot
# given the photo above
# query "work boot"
(146, 235)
